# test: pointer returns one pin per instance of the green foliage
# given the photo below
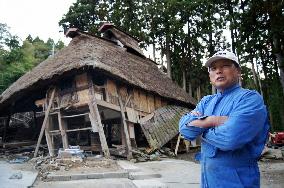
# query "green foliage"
(16, 59)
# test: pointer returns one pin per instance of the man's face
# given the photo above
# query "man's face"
(223, 74)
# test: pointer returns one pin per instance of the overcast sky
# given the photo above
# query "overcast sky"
(36, 17)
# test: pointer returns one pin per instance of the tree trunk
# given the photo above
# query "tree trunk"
(189, 88)
(280, 59)
(198, 93)
(154, 52)
(254, 75)
(231, 12)
(259, 81)
(183, 80)
(168, 57)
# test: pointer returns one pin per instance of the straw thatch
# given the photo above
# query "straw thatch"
(163, 125)
(91, 52)
(126, 39)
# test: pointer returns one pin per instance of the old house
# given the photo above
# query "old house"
(101, 93)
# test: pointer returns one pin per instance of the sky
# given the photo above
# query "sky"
(36, 17)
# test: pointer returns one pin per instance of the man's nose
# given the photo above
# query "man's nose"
(219, 70)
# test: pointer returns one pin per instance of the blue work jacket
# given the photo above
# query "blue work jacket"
(229, 152)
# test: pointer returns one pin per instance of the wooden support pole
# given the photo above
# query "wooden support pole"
(44, 122)
(62, 128)
(178, 141)
(94, 114)
(125, 128)
(48, 136)
(96, 119)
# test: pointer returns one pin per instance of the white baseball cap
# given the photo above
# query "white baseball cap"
(222, 55)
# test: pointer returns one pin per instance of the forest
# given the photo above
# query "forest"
(180, 35)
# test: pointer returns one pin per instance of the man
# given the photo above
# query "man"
(233, 124)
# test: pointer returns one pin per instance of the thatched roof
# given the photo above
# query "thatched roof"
(126, 39)
(91, 52)
(163, 125)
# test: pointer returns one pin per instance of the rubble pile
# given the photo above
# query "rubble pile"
(146, 154)
(72, 159)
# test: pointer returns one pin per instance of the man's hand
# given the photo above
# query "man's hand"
(217, 120)
(196, 113)
(210, 121)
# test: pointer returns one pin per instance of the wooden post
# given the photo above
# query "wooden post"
(48, 137)
(6, 125)
(96, 119)
(62, 127)
(178, 141)
(94, 114)
(125, 128)
(44, 122)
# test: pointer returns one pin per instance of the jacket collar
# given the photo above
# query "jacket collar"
(228, 90)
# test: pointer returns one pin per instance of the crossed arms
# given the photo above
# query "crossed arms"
(231, 132)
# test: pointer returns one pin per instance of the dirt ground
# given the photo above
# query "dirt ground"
(271, 170)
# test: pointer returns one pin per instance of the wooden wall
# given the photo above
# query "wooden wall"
(137, 99)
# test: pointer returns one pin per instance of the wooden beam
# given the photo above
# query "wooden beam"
(125, 128)
(76, 115)
(62, 128)
(81, 129)
(108, 105)
(96, 118)
(44, 122)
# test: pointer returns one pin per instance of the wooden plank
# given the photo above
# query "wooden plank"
(136, 99)
(108, 105)
(111, 87)
(128, 100)
(81, 129)
(62, 129)
(76, 115)
(45, 121)
(81, 80)
(143, 102)
(158, 102)
(111, 92)
(83, 97)
(17, 144)
(151, 103)
(125, 129)
(132, 115)
(122, 92)
(131, 130)
(96, 118)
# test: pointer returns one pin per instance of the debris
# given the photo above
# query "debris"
(19, 160)
(71, 152)
(270, 153)
(17, 176)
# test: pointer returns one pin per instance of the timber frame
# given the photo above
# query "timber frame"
(100, 93)
(95, 97)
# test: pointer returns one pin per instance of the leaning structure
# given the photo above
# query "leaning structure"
(101, 93)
